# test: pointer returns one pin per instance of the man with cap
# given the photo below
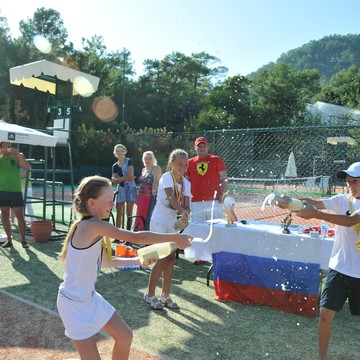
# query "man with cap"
(208, 178)
(343, 279)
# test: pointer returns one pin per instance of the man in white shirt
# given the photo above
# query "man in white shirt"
(343, 279)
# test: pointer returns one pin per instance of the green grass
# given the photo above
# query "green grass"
(203, 329)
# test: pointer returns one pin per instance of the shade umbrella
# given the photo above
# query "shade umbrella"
(291, 170)
(22, 135)
(341, 139)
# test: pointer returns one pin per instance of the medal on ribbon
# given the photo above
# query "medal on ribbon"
(356, 226)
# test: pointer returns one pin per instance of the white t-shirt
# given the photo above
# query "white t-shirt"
(163, 213)
(345, 258)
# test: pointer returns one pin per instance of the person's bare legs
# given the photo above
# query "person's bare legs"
(122, 334)
(118, 330)
(5, 215)
(155, 274)
(19, 213)
(165, 268)
(129, 212)
(87, 349)
(119, 214)
(325, 324)
(168, 274)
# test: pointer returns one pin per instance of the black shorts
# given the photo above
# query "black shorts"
(337, 289)
(11, 199)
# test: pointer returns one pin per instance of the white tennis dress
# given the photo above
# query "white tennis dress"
(83, 311)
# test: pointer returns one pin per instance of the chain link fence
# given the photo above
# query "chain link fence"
(292, 161)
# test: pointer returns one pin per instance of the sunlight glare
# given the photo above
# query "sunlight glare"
(42, 44)
(105, 109)
(83, 86)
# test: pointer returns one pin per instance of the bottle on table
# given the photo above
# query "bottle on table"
(324, 230)
(156, 251)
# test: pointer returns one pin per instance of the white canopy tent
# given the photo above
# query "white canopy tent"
(22, 135)
(42, 75)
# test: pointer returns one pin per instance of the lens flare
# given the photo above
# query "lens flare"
(42, 44)
(105, 109)
(83, 86)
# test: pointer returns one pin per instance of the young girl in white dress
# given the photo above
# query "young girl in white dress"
(173, 200)
(83, 311)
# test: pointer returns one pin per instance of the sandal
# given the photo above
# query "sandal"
(7, 244)
(153, 301)
(168, 302)
(24, 244)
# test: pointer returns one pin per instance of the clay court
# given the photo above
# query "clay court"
(28, 331)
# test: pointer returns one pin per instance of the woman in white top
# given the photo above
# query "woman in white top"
(173, 200)
(83, 311)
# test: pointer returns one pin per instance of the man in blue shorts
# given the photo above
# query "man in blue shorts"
(10, 190)
(343, 279)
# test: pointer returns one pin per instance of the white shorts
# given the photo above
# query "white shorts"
(201, 211)
(84, 319)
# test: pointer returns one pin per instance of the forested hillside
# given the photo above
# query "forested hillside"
(329, 55)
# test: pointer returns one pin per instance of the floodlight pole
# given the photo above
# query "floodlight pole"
(123, 95)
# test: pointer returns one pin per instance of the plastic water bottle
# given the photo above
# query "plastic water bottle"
(324, 230)
(156, 251)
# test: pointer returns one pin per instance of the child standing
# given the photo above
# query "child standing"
(146, 198)
(85, 312)
(123, 176)
(173, 199)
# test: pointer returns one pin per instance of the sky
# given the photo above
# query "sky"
(243, 34)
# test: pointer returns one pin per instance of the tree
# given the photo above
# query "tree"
(343, 88)
(328, 55)
(6, 46)
(48, 23)
(233, 98)
(212, 119)
(175, 88)
(280, 95)
(115, 70)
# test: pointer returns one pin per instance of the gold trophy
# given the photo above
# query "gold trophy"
(229, 210)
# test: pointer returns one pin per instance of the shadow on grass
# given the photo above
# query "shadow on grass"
(207, 329)
(203, 328)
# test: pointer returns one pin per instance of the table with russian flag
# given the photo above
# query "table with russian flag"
(256, 264)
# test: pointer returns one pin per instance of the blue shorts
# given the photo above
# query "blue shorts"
(128, 193)
(337, 289)
(11, 199)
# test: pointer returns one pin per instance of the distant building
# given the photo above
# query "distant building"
(330, 114)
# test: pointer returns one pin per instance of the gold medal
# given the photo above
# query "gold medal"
(357, 244)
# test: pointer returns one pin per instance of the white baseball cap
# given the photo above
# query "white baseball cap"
(353, 171)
